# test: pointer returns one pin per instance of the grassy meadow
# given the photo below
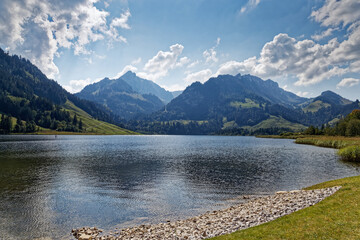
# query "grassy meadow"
(349, 146)
(337, 217)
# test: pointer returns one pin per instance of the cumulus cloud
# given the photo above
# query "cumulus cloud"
(348, 82)
(182, 62)
(77, 85)
(125, 70)
(308, 61)
(37, 29)
(251, 4)
(335, 13)
(302, 94)
(159, 65)
(201, 76)
(210, 54)
(328, 32)
(136, 61)
(305, 59)
(193, 64)
(122, 21)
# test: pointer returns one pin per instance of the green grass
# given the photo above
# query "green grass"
(315, 106)
(91, 125)
(276, 122)
(329, 141)
(247, 104)
(231, 124)
(350, 153)
(337, 217)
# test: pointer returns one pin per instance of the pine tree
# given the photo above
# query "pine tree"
(19, 127)
(6, 124)
(75, 121)
(80, 125)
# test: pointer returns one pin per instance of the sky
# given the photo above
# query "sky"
(307, 46)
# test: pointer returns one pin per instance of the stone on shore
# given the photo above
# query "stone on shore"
(215, 223)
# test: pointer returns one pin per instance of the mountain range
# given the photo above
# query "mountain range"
(246, 104)
(226, 104)
(128, 96)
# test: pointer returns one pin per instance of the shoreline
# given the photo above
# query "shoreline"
(211, 224)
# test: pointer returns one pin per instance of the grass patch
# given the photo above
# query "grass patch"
(316, 106)
(247, 104)
(337, 217)
(276, 122)
(328, 141)
(350, 153)
(91, 125)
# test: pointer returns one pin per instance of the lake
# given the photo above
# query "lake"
(49, 185)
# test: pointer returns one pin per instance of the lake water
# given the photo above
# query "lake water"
(49, 185)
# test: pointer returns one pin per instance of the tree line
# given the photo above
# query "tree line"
(348, 126)
(71, 125)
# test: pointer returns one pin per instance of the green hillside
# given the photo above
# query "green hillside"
(276, 122)
(30, 102)
(91, 125)
(316, 106)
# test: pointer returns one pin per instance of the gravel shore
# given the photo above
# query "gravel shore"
(215, 223)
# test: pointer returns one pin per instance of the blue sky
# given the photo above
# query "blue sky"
(307, 46)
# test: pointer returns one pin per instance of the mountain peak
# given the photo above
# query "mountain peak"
(129, 74)
(334, 98)
(329, 93)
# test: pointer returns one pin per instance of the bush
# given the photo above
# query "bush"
(351, 153)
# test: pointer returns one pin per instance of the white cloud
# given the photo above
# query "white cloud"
(305, 59)
(174, 87)
(37, 29)
(125, 70)
(122, 21)
(193, 64)
(335, 13)
(77, 85)
(302, 94)
(234, 67)
(210, 54)
(324, 34)
(136, 61)
(201, 76)
(159, 66)
(348, 82)
(182, 62)
(355, 66)
(251, 4)
(308, 61)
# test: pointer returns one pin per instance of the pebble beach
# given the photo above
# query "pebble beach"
(249, 214)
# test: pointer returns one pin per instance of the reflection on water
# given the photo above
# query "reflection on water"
(49, 185)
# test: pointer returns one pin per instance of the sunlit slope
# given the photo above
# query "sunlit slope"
(91, 125)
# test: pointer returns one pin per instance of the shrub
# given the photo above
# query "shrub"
(351, 153)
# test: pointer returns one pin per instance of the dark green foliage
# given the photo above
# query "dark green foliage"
(5, 124)
(174, 127)
(80, 125)
(348, 126)
(75, 121)
(28, 95)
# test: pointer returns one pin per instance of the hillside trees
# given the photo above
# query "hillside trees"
(348, 126)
